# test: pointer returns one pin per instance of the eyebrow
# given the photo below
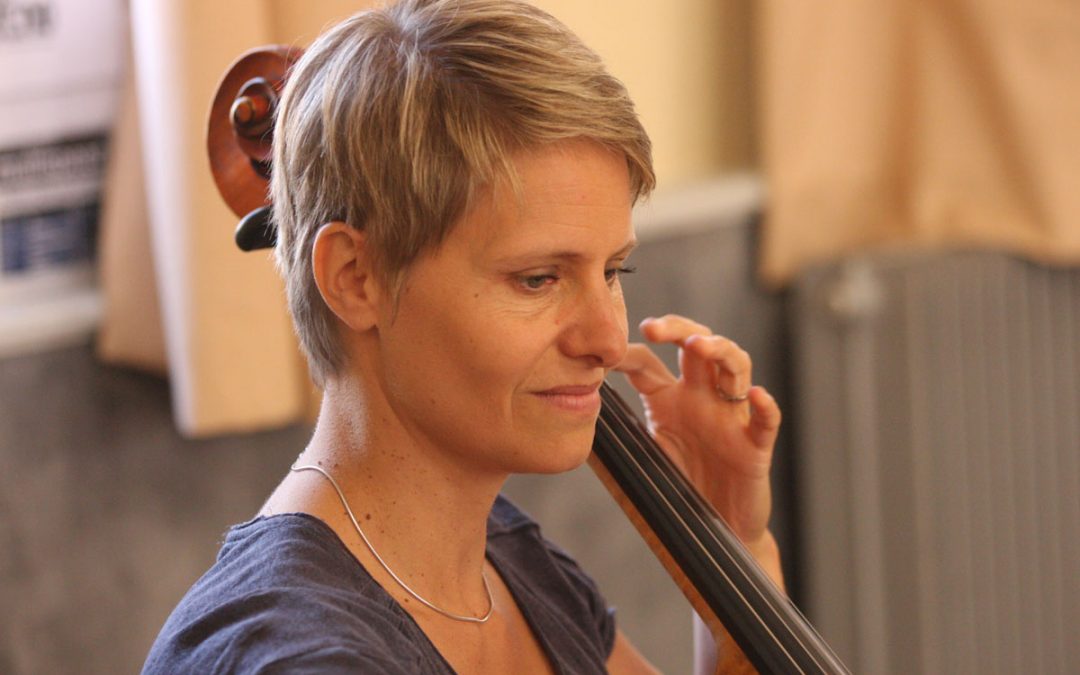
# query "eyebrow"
(627, 249)
(570, 255)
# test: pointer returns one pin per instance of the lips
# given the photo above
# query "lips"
(571, 390)
(579, 398)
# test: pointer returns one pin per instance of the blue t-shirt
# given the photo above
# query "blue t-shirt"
(286, 596)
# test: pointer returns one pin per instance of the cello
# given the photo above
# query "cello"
(743, 609)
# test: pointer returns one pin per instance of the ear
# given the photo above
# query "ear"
(341, 263)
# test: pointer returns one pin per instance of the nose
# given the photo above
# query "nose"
(596, 329)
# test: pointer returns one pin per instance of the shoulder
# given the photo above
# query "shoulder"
(284, 595)
(518, 541)
(561, 599)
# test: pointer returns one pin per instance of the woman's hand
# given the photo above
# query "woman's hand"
(724, 446)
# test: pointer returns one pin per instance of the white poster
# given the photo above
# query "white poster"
(60, 73)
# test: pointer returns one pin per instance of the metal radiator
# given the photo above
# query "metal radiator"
(938, 407)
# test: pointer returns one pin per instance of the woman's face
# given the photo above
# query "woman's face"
(502, 335)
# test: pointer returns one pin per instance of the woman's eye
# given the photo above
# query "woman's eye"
(536, 282)
(616, 272)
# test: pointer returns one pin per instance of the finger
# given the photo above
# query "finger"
(672, 328)
(646, 372)
(696, 363)
(765, 420)
(716, 361)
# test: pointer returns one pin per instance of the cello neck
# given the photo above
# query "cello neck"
(719, 577)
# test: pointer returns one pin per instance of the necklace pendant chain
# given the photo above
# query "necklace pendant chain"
(404, 586)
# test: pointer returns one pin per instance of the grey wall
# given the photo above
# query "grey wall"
(106, 516)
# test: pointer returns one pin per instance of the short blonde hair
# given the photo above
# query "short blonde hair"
(392, 119)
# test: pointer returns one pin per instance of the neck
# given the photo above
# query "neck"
(424, 513)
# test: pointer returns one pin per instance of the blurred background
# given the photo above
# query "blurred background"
(878, 200)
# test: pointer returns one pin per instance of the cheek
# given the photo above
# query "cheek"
(505, 354)
(468, 354)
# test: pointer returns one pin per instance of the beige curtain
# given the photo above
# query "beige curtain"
(180, 297)
(899, 124)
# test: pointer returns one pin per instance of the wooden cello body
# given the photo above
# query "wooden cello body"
(741, 606)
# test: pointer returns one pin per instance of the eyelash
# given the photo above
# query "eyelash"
(610, 274)
(621, 270)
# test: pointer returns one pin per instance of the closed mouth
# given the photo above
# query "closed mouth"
(581, 398)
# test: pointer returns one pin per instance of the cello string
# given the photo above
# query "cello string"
(704, 511)
(711, 521)
(678, 487)
(699, 509)
(666, 469)
(780, 605)
(703, 549)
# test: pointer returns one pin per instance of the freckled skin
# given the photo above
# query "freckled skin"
(486, 364)
(475, 371)
(471, 342)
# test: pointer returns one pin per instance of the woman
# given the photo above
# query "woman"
(452, 186)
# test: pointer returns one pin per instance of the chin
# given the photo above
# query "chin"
(569, 453)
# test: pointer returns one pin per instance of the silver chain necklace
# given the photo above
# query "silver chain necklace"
(348, 509)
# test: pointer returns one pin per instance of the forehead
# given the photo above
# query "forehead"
(573, 193)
